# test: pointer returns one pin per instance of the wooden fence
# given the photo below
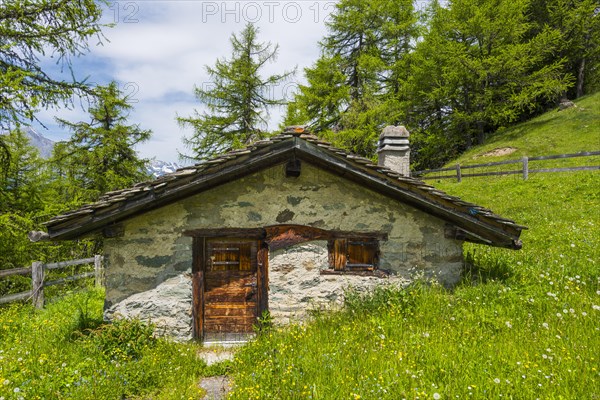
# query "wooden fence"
(525, 170)
(38, 282)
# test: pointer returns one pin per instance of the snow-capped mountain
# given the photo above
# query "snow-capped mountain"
(42, 143)
(155, 168)
(158, 168)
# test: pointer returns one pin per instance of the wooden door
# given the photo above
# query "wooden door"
(231, 296)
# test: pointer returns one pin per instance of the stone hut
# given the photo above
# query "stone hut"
(283, 225)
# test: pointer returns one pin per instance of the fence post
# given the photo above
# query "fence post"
(458, 173)
(37, 283)
(525, 168)
(98, 270)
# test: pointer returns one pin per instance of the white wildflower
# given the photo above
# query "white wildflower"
(496, 380)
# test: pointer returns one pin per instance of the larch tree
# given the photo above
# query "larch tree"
(237, 100)
(29, 31)
(348, 91)
(101, 155)
(577, 22)
(22, 197)
(21, 184)
(476, 70)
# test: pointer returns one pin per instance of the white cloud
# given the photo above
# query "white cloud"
(158, 49)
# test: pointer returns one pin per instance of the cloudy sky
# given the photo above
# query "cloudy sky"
(157, 51)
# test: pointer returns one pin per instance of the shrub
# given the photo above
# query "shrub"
(124, 339)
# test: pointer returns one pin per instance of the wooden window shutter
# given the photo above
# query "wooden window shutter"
(363, 255)
(338, 254)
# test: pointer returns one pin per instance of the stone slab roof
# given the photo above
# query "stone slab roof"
(471, 222)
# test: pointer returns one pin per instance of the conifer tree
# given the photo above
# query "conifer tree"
(101, 155)
(238, 99)
(476, 70)
(21, 199)
(577, 22)
(354, 85)
(29, 30)
(21, 184)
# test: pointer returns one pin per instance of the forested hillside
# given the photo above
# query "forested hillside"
(453, 73)
(572, 130)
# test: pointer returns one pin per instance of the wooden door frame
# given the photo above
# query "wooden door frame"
(199, 248)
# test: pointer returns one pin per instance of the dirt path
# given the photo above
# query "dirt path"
(216, 387)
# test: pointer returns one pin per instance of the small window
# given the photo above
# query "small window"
(354, 254)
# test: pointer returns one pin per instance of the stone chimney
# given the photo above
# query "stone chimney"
(393, 149)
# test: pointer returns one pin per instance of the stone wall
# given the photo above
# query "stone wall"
(153, 249)
(296, 284)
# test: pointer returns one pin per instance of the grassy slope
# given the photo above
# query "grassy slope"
(523, 324)
(556, 132)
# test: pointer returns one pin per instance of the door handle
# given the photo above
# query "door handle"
(252, 285)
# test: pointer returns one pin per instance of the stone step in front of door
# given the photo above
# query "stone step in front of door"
(227, 339)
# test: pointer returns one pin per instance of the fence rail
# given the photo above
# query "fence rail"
(458, 169)
(38, 282)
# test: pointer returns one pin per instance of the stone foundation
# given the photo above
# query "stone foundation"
(168, 306)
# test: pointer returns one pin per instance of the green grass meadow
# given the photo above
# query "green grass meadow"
(65, 352)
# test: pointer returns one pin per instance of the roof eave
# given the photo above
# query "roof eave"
(479, 230)
(276, 153)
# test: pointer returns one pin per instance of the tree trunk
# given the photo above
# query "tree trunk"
(480, 132)
(580, 78)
